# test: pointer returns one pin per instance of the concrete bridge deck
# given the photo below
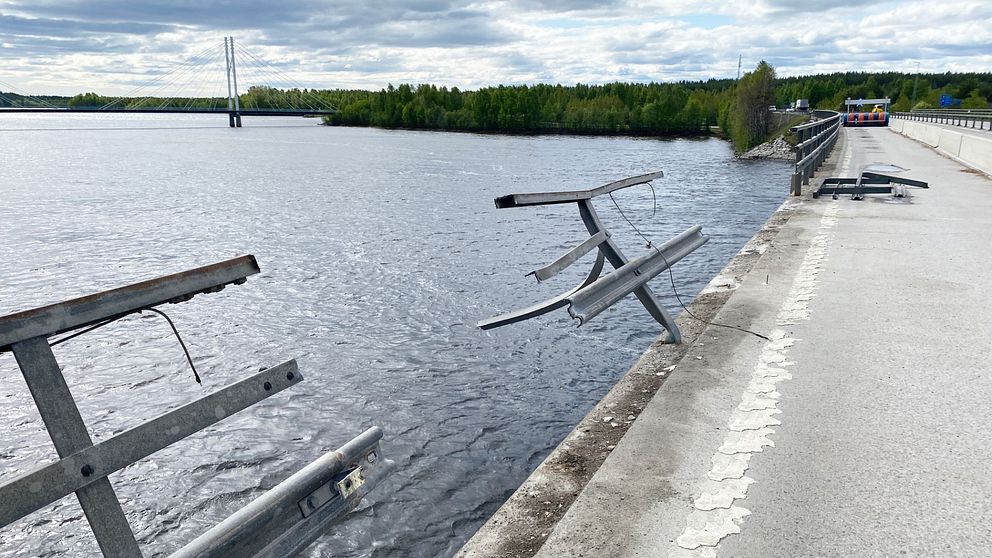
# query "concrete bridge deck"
(861, 428)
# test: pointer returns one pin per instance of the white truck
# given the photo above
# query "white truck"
(802, 104)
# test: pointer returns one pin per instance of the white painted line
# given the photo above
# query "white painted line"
(714, 515)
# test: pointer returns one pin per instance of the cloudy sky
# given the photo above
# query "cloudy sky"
(114, 46)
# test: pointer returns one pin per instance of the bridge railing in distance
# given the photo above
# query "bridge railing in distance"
(816, 139)
(281, 522)
(595, 294)
(980, 119)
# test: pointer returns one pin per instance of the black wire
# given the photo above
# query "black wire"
(671, 275)
(87, 330)
(189, 359)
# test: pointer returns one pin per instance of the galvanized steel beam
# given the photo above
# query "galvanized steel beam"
(47, 484)
(549, 198)
(599, 292)
(87, 310)
(290, 516)
(68, 432)
(540, 308)
(270, 526)
(618, 260)
(571, 257)
(590, 301)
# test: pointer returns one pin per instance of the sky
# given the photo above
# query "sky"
(117, 47)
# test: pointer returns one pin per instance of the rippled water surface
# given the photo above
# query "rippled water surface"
(379, 251)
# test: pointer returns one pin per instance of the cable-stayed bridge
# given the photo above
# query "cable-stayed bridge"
(206, 83)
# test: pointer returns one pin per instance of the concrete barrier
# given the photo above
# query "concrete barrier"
(950, 142)
(976, 152)
(971, 150)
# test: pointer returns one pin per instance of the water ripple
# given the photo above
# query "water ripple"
(380, 251)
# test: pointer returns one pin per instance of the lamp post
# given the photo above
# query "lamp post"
(915, 81)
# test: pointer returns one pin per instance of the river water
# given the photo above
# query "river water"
(379, 251)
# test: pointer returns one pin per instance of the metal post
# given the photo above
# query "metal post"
(69, 435)
(616, 258)
(915, 81)
(230, 101)
(234, 73)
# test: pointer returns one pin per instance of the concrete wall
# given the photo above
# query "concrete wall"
(972, 150)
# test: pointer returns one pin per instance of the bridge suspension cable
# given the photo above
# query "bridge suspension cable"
(206, 81)
(177, 79)
(266, 73)
(20, 92)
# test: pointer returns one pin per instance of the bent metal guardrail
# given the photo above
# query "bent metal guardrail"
(816, 139)
(284, 520)
(966, 118)
(596, 293)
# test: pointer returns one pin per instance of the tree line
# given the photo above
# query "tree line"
(907, 91)
(738, 107)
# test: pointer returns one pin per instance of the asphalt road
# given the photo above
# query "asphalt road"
(861, 427)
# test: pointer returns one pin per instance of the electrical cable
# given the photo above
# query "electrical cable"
(189, 359)
(671, 275)
(87, 330)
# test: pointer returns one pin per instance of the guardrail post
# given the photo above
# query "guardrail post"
(69, 435)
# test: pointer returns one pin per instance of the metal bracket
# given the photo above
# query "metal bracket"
(870, 181)
(596, 293)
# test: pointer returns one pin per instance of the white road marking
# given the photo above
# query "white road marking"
(715, 516)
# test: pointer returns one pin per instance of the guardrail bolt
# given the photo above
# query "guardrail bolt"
(371, 457)
(267, 386)
(86, 470)
(310, 503)
(290, 375)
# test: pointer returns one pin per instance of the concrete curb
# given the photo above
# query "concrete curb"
(521, 526)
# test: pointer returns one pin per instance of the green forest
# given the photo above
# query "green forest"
(738, 107)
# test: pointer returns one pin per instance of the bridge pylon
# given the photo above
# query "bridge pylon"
(233, 102)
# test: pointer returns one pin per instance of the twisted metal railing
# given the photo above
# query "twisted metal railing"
(595, 294)
(281, 522)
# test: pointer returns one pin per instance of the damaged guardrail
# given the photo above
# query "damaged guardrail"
(596, 293)
(870, 181)
(282, 522)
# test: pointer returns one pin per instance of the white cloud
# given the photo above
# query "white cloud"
(69, 46)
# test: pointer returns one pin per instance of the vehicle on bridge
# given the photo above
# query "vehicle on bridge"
(857, 116)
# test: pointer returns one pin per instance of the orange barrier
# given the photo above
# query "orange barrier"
(857, 119)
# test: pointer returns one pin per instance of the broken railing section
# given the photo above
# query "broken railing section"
(281, 522)
(597, 293)
(874, 179)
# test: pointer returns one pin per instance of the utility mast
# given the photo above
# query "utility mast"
(739, 58)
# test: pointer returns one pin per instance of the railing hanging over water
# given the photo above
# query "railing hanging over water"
(595, 294)
(282, 522)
